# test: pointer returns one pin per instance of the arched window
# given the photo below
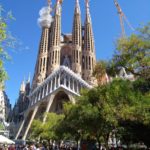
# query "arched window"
(86, 62)
(83, 62)
(89, 62)
(55, 56)
(77, 56)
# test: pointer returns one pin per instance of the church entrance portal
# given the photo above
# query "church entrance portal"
(59, 100)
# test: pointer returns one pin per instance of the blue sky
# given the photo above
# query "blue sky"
(106, 28)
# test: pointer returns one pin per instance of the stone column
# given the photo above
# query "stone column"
(39, 94)
(20, 128)
(35, 98)
(48, 107)
(78, 87)
(73, 84)
(30, 103)
(50, 86)
(59, 79)
(55, 86)
(30, 122)
(65, 80)
(69, 83)
(47, 85)
(43, 91)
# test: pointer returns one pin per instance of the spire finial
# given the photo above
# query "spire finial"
(87, 3)
(29, 77)
(22, 87)
(77, 7)
(49, 2)
(87, 7)
(24, 79)
(59, 1)
(88, 10)
(77, 1)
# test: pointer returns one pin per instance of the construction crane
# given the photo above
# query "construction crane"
(122, 18)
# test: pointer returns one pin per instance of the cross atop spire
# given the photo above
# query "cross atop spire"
(77, 7)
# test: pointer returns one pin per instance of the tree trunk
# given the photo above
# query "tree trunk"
(106, 143)
(99, 143)
(77, 144)
(49, 144)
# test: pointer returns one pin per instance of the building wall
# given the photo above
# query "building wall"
(5, 106)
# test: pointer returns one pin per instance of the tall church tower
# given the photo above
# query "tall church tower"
(88, 53)
(77, 40)
(42, 59)
(55, 39)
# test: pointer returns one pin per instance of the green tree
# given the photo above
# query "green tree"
(36, 129)
(90, 118)
(133, 53)
(6, 40)
(115, 106)
(1, 126)
(132, 111)
(100, 72)
(49, 126)
(40, 130)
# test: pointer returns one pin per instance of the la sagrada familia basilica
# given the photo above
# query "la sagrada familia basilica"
(64, 66)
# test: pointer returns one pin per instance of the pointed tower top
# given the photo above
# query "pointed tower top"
(77, 7)
(58, 7)
(59, 1)
(22, 87)
(29, 78)
(88, 17)
(87, 3)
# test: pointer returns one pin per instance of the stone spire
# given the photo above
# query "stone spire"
(22, 87)
(44, 20)
(88, 54)
(29, 78)
(55, 40)
(77, 40)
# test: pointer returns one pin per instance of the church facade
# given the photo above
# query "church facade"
(64, 66)
(75, 50)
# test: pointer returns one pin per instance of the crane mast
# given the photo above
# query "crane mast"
(122, 17)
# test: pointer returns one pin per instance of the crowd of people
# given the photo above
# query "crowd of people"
(53, 147)
(22, 147)
(36, 147)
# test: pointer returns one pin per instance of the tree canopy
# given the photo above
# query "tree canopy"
(133, 53)
(6, 40)
(100, 110)
(46, 130)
